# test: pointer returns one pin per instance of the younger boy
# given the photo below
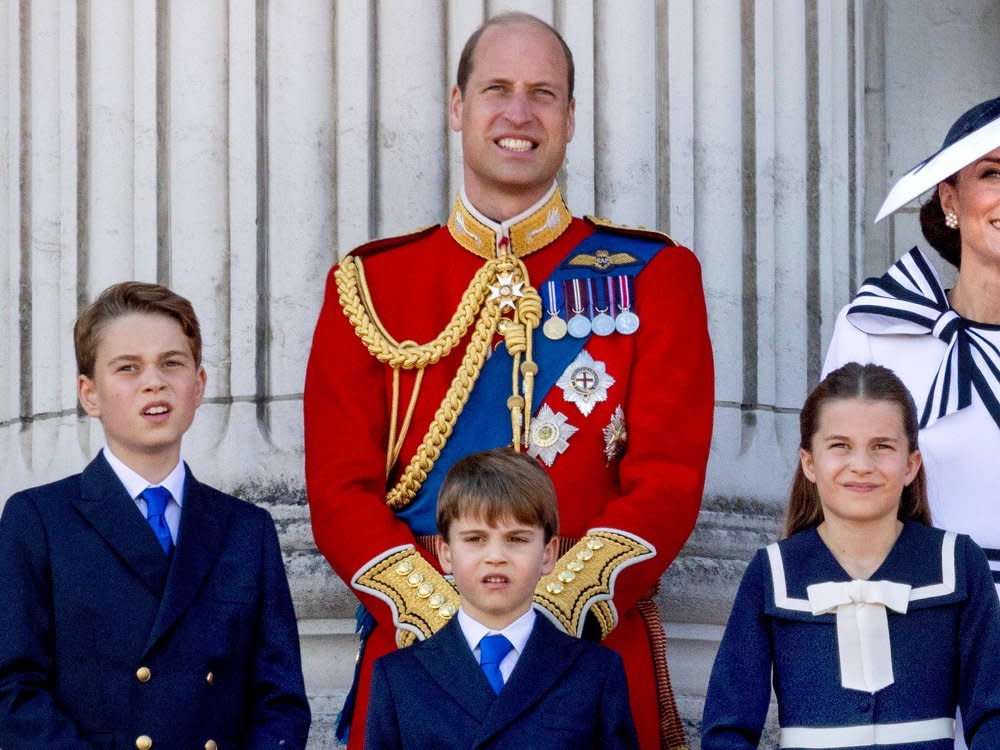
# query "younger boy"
(498, 675)
(141, 608)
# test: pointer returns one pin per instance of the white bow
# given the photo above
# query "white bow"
(862, 627)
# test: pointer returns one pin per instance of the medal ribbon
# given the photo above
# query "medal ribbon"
(552, 294)
(910, 300)
(590, 297)
(606, 296)
(576, 294)
(624, 292)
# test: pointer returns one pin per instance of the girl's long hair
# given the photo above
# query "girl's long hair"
(866, 383)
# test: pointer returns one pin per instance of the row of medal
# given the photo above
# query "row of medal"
(580, 307)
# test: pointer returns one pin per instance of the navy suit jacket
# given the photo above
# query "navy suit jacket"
(563, 693)
(103, 640)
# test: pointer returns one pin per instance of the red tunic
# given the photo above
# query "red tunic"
(663, 381)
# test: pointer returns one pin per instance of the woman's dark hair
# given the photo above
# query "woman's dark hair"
(866, 383)
(941, 237)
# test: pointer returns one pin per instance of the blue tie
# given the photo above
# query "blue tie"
(156, 502)
(492, 650)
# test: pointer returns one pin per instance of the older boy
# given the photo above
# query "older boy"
(142, 608)
(498, 675)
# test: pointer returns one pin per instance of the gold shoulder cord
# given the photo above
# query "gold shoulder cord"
(501, 285)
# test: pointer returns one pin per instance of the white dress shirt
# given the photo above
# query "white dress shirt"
(517, 633)
(135, 483)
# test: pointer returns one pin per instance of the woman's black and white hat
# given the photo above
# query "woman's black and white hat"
(975, 133)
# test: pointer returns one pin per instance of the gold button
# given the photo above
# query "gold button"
(436, 601)
(404, 568)
(143, 742)
(210, 678)
(566, 576)
(210, 745)
(595, 543)
(142, 674)
(575, 565)
(425, 589)
(447, 611)
(584, 554)
(554, 587)
(415, 578)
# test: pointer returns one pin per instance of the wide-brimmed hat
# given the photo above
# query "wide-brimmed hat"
(975, 133)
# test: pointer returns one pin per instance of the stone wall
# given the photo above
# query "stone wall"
(233, 149)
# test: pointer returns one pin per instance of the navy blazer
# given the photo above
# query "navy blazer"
(563, 693)
(104, 640)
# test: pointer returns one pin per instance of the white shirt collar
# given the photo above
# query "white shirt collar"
(504, 226)
(517, 632)
(136, 483)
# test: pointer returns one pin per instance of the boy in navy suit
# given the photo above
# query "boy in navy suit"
(498, 675)
(141, 608)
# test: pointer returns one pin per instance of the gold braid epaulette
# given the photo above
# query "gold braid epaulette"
(421, 599)
(583, 579)
(474, 306)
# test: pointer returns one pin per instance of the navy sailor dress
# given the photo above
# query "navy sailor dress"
(861, 664)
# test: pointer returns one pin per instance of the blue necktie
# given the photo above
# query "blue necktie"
(156, 502)
(492, 650)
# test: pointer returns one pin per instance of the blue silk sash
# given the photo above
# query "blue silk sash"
(485, 421)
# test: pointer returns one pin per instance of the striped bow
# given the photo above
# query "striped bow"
(910, 300)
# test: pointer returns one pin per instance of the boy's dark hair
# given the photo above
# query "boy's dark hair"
(127, 298)
(467, 59)
(866, 383)
(497, 483)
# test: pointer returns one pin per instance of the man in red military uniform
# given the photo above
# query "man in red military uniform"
(583, 343)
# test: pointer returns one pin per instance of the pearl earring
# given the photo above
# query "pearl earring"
(951, 219)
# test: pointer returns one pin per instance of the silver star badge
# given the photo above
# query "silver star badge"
(615, 435)
(506, 290)
(585, 382)
(550, 433)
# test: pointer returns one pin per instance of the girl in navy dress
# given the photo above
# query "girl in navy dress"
(871, 625)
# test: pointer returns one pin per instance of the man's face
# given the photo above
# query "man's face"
(516, 117)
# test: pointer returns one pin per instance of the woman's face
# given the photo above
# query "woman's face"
(975, 199)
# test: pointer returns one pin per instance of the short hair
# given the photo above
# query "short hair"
(127, 298)
(497, 483)
(465, 60)
(866, 383)
(944, 239)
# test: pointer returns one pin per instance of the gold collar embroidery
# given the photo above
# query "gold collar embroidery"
(523, 234)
